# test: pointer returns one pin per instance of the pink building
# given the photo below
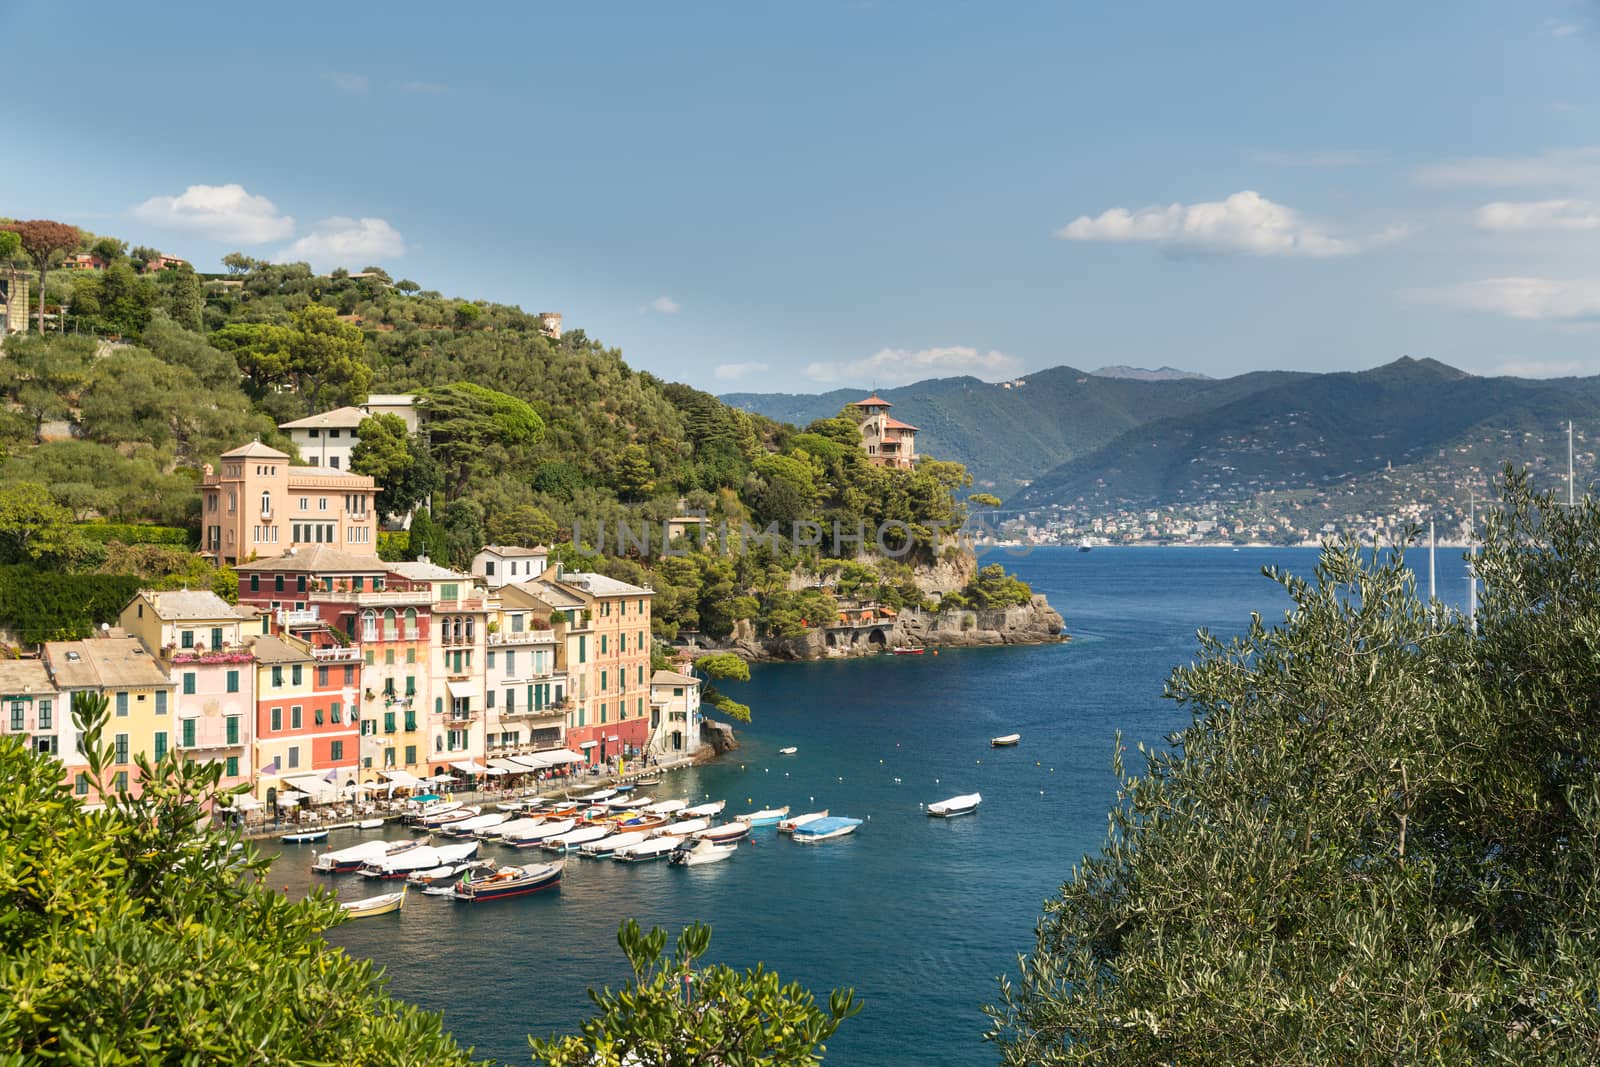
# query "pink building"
(888, 441)
(259, 506)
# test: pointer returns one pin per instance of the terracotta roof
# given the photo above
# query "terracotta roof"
(873, 401)
(19, 676)
(254, 450)
(891, 423)
(319, 559)
(340, 417)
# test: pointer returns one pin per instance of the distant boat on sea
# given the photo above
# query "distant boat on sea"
(949, 809)
(1004, 741)
(1084, 545)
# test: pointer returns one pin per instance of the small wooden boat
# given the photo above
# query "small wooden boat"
(304, 837)
(764, 817)
(574, 839)
(825, 829)
(666, 807)
(683, 828)
(534, 834)
(908, 650)
(654, 779)
(706, 810)
(477, 824)
(726, 834)
(447, 874)
(788, 751)
(383, 904)
(442, 820)
(508, 882)
(656, 848)
(962, 805)
(786, 826)
(645, 822)
(370, 824)
(628, 803)
(697, 850)
(1004, 741)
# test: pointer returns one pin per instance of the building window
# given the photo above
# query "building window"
(119, 781)
(336, 713)
(122, 705)
(336, 750)
(255, 583)
(186, 638)
(349, 676)
(277, 719)
(322, 677)
(295, 674)
(188, 683)
(188, 733)
(296, 717)
(231, 767)
(233, 681)
(45, 715)
(266, 505)
(161, 701)
(316, 716)
(411, 754)
(277, 583)
(388, 722)
(277, 677)
(233, 729)
(80, 784)
(16, 716)
(122, 749)
(294, 756)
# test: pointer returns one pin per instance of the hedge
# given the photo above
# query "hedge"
(137, 534)
(38, 606)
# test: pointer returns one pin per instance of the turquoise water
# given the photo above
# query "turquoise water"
(919, 915)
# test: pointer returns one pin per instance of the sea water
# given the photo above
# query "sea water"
(919, 915)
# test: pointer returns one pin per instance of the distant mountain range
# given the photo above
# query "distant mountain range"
(1144, 374)
(1064, 435)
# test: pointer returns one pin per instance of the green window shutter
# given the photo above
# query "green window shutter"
(232, 769)
(233, 681)
(188, 733)
(161, 743)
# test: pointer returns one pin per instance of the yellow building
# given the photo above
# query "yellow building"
(140, 697)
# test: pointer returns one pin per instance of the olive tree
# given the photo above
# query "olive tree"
(1378, 842)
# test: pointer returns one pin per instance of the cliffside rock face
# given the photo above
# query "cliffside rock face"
(719, 735)
(947, 574)
(1029, 624)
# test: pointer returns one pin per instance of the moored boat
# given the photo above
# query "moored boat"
(610, 843)
(788, 751)
(534, 834)
(786, 826)
(644, 822)
(706, 810)
(825, 829)
(764, 817)
(508, 882)
(383, 904)
(1004, 740)
(654, 779)
(370, 824)
(965, 804)
(345, 860)
(304, 837)
(666, 807)
(441, 820)
(446, 874)
(573, 839)
(654, 849)
(908, 650)
(726, 834)
(683, 827)
(477, 824)
(416, 812)
(628, 803)
(694, 851)
(511, 828)
(598, 795)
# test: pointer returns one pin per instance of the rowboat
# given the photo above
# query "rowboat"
(370, 824)
(383, 904)
(572, 839)
(789, 751)
(446, 874)
(764, 817)
(304, 837)
(598, 795)
(534, 834)
(654, 849)
(962, 805)
(825, 829)
(908, 650)
(683, 827)
(508, 882)
(627, 803)
(695, 851)
(705, 810)
(726, 834)
(477, 824)
(787, 825)
(1005, 740)
(511, 828)
(609, 844)
(654, 779)
(449, 818)
(667, 807)
(345, 860)
(645, 822)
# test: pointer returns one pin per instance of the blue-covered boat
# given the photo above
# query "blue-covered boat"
(825, 829)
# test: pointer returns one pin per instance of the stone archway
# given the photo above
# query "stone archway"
(878, 638)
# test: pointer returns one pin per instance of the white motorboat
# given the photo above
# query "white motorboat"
(446, 874)
(706, 810)
(825, 829)
(787, 826)
(598, 795)
(1004, 740)
(697, 850)
(764, 817)
(725, 834)
(654, 849)
(370, 824)
(421, 858)
(383, 904)
(610, 844)
(666, 807)
(534, 834)
(440, 820)
(521, 804)
(342, 860)
(416, 813)
(477, 824)
(511, 828)
(303, 837)
(683, 828)
(572, 839)
(965, 804)
(628, 803)
(788, 751)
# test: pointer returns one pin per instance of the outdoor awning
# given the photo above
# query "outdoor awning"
(507, 766)
(587, 745)
(559, 756)
(470, 767)
(496, 772)
(460, 690)
(288, 797)
(402, 777)
(246, 802)
(313, 785)
(529, 763)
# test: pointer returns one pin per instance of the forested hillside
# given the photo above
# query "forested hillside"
(527, 437)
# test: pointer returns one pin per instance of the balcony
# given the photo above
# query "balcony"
(298, 617)
(540, 717)
(374, 598)
(336, 654)
(200, 655)
(526, 637)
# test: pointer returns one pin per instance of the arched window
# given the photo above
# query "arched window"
(266, 503)
(369, 625)
(469, 631)
(411, 624)
(389, 625)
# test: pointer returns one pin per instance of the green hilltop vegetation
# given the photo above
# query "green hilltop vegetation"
(527, 437)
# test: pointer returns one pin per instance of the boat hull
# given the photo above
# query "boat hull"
(470, 894)
(304, 838)
(1005, 742)
(952, 813)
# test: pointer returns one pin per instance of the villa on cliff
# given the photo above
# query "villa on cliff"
(888, 441)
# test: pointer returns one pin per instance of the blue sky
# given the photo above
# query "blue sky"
(804, 196)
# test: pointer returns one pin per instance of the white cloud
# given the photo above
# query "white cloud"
(1504, 216)
(1318, 160)
(220, 212)
(1563, 167)
(1541, 368)
(1529, 299)
(349, 83)
(1246, 223)
(733, 372)
(898, 366)
(1565, 29)
(662, 305)
(343, 242)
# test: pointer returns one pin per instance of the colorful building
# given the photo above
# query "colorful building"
(30, 706)
(454, 708)
(523, 688)
(674, 714)
(140, 699)
(199, 640)
(888, 441)
(259, 506)
(308, 722)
